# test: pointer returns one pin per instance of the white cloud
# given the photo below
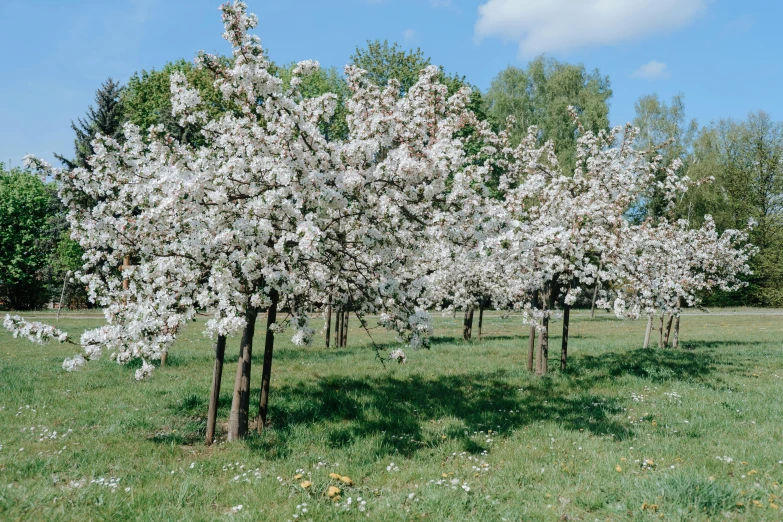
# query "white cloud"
(652, 70)
(542, 26)
(409, 35)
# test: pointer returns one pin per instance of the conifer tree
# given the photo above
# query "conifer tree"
(105, 118)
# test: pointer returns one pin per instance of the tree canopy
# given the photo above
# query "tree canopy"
(541, 95)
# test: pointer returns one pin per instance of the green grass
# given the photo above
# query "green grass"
(567, 446)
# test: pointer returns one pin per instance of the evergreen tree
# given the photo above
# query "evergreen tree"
(105, 118)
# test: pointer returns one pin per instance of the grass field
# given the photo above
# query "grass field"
(460, 432)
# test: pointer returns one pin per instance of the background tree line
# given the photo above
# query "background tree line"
(745, 158)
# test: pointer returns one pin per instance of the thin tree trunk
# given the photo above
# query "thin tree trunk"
(346, 314)
(125, 265)
(62, 295)
(595, 291)
(214, 396)
(531, 346)
(648, 331)
(467, 324)
(481, 318)
(125, 281)
(660, 332)
(240, 403)
(164, 356)
(542, 348)
(668, 330)
(338, 324)
(676, 340)
(543, 339)
(266, 372)
(564, 345)
(328, 320)
(531, 341)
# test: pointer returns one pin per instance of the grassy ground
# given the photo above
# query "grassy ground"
(461, 432)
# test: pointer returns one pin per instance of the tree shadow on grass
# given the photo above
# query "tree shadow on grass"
(401, 411)
(652, 363)
(713, 345)
(409, 414)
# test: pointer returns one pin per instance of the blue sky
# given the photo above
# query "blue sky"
(725, 56)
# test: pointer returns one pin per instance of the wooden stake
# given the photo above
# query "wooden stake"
(481, 317)
(531, 341)
(266, 371)
(338, 327)
(328, 320)
(543, 338)
(62, 295)
(648, 331)
(668, 330)
(595, 290)
(564, 345)
(214, 396)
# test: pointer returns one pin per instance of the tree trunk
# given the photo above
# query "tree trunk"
(338, 325)
(240, 403)
(62, 294)
(543, 339)
(542, 348)
(467, 324)
(660, 332)
(648, 331)
(214, 396)
(564, 345)
(266, 372)
(344, 338)
(531, 341)
(164, 357)
(676, 340)
(481, 318)
(668, 330)
(125, 264)
(328, 320)
(531, 346)
(595, 291)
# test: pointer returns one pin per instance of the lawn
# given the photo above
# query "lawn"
(460, 432)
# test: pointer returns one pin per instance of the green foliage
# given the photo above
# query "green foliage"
(147, 99)
(749, 156)
(384, 62)
(661, 123)
(745, 158)
(541, 94)
(106, 118)
(318, 83)
(24, 205)
(739, 167)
